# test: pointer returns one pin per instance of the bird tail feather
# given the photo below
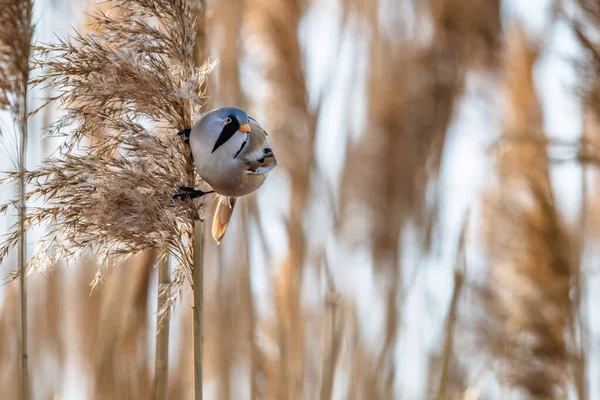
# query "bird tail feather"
(222, 217)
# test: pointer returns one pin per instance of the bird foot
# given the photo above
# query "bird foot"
(189, 193)
(185, 134)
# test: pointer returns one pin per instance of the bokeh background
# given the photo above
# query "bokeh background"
(429, 233)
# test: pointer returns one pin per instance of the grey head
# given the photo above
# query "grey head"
(216, 140)
(222, 128)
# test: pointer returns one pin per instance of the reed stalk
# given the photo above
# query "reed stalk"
(451, 321)
(16, 34)
(22, 259)
(22, 251)
(198, 238)
(197, 279)
(163, 324)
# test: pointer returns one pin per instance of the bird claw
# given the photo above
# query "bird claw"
(190, 193)
(185, 135)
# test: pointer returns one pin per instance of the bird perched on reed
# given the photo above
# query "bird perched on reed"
(232, 155)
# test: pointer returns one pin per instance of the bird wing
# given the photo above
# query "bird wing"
(258, 156)
(262, 165)
(256, 168)
(222, 217)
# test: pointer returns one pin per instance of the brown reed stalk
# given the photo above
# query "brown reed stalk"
(529, 307)
(580, 287)
(199, 57)
(335, 330)
(161, 369)
(412, 90)
(584, 19)
(22, 259)
(229, 306)
(251, 218)
(200, 47)
(390, 173)
(277, 23)
(115, 326)
(198, 286)
(16, 34)
(248, 300)
(459, 279)
(9, 310)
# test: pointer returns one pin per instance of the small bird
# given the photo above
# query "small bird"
(232, 155)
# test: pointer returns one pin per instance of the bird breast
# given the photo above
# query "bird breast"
(235, 184)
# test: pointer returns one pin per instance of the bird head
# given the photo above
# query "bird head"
(224, 128)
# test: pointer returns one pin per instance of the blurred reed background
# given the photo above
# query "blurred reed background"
(429, 232)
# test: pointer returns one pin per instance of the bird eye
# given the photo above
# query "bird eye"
(228, 120)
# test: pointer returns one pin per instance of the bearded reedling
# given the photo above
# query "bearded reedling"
(232, 155)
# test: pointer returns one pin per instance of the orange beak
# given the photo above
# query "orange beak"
(244, 128)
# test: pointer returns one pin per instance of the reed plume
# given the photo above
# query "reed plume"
(16, 34)
(113, 206)
(132, 79)
(127, 87)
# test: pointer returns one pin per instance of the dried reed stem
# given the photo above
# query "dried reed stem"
(278, 23)
(16, 33)
(198, 238)
(335, 345)
(580, 329)
(197, 280)
(22, 255)
(580, 286)
(163, 324)
(449, 340)
(530, 307)
(459, 279)
(585, 24)
(200, 47)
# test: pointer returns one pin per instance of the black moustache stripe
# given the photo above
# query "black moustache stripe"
(241, 148)
(228, 131)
